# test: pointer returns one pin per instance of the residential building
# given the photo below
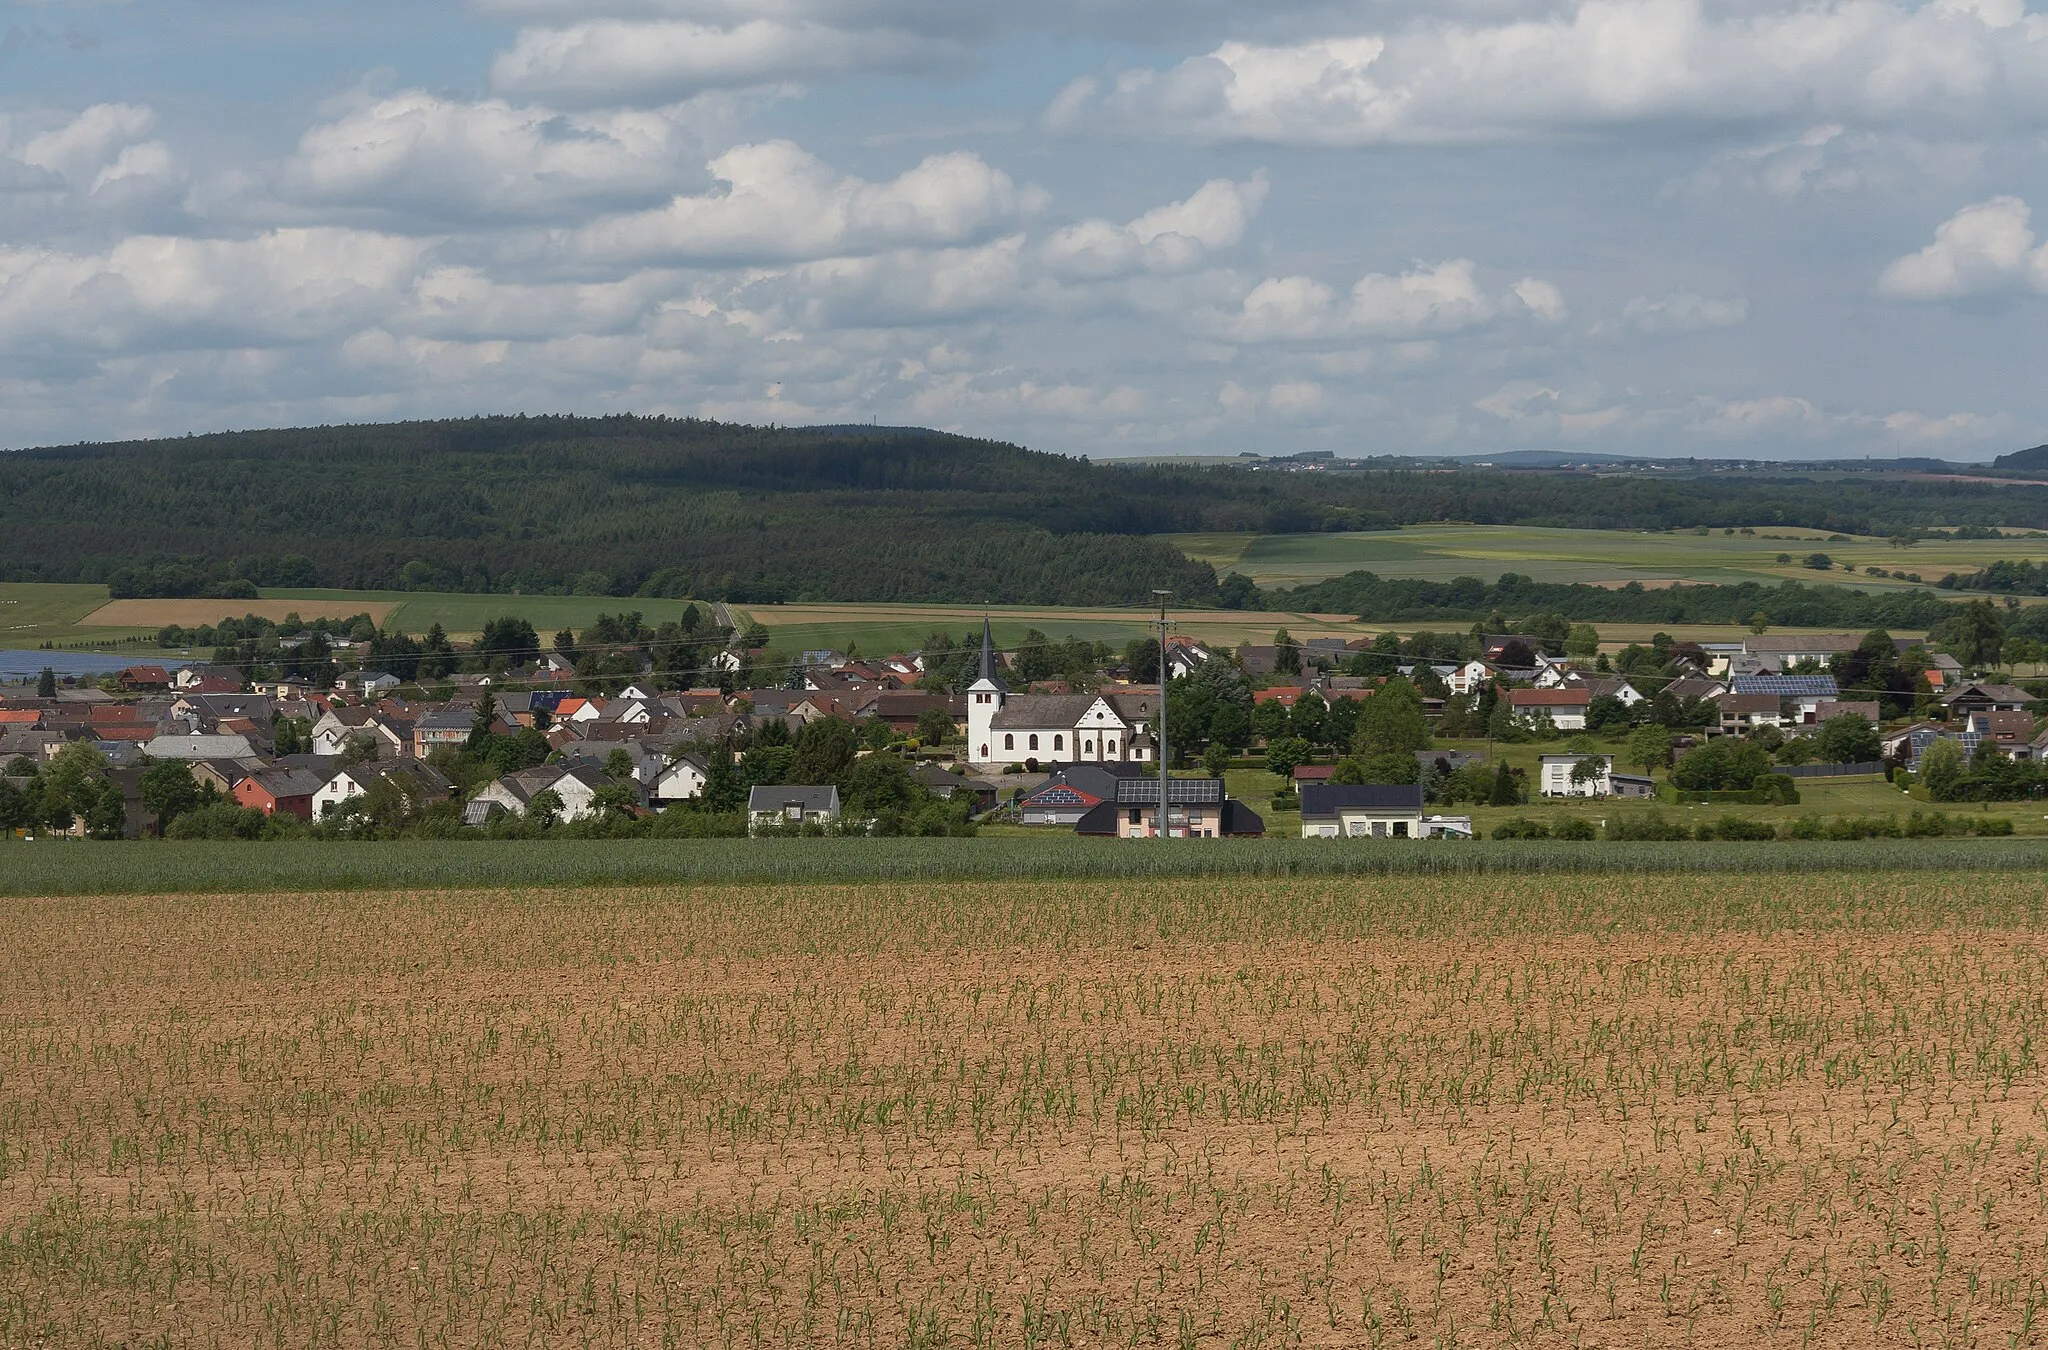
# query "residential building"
(1196, 808)
(1633, 785)
(1801, 694)
(1742, 713)
(1565, 707)
(443, 726)
(577, 787)
(791, 807)
(199, 747)
(421, 782)
(279, 790)
(1559, 776)
(339, 728)
(1782, 651)
(1367, 811)
(682, 779)
(1071, 791)
(1976, 696)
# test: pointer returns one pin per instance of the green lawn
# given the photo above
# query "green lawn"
(1440, 552)
(32, 613)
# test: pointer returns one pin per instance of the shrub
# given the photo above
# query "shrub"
(1806, 827)
(1645, 825)
(1738, 827)
(221, 820)
(1989, 826)
(1521, 827)
(1576, 828)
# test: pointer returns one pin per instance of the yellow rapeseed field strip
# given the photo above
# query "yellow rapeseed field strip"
(1398, 1111)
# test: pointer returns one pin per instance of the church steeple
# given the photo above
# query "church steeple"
(988, 652)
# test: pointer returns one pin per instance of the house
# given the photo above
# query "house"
(682, 780)
(199, 747)
(1196, 808)
(193, 676)
(1803, 694)
(145, 677)
(1634, 785)
(443, 726)
(1868, 710)
(1004, 728)
(365, 683)
(2011, 732)
(1071, 791)
(952, 786)
(1565, 707)
(1606, 686)
(1741, 713)
(421, 782)
(1183, 655)
(903, 709)
(1559, 776)
(1317, 773)
(1691, 687)
(772, 808)
(1975, 697)
(1467, 678)
(338, 728)
(1782, 651)
(273, 790)
(1367, 811)
(577, 787)
(1899, 744)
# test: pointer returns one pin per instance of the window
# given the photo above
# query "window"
(1009, 742)
(1088, 748)
(1112, 747)
(1400, 829)
(1034, 740)
(1137, 815)
(984, 751)
(1059, 742)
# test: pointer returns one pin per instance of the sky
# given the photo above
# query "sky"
(1102, 227)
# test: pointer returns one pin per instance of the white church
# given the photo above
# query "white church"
(1006, 728)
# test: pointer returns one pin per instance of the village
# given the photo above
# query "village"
(1369, 738)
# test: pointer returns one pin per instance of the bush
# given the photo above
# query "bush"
(221, 820)
(1738, 827)
(1991, 826)
(1645, 825)
(1521, 827)
(1576, 828)
(1864, 827)
(1806, 827)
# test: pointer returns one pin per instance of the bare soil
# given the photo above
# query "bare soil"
(625, 1119)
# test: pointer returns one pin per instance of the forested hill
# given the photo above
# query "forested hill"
(656, 506)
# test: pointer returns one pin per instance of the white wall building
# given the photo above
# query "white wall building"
(1554, 778)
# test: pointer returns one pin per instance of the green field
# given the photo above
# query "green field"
(153, 868)
(32, 613)
(1441, 552)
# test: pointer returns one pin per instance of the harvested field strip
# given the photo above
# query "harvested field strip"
(199, 613)
(57, 868)
(1306, 1112)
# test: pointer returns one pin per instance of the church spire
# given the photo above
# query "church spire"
(988, 652)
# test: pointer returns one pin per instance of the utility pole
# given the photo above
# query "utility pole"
(1164, 760)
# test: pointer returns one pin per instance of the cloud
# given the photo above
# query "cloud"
(616, 61)
(1428, 299)
(1170, 238)
(1602, 65)
(285, 286)
(1541, 299)
(1981, 250)
(783, 204)
(104, 147)
(1680, 312)
(423, 152)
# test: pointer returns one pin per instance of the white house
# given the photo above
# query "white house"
(415, 779)
(1006, 728)
(1565, 707)
(1183, 655)
(1369, 811)
(1468, 678)
(1554, 776)
(577, 787)
(683, 780)
(339, 726)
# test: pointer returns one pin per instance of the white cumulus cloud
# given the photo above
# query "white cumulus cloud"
(781, 203)
(1683, 312)
(1599, 64)
(1426, 300)
(1168, 238)
(1983, 249)
(425, 151)
(622, 60)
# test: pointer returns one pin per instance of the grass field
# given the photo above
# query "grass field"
(1706, 1110)
(1597, 557)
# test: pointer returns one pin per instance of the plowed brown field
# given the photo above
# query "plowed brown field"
(1148, 1114)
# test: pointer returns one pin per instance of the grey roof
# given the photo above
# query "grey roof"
(1997, 693)
(199, 747)
(1325, 800)
(1179, 792)
(445, 719)
(812, 800)
(288, 782)
(1059, 712)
